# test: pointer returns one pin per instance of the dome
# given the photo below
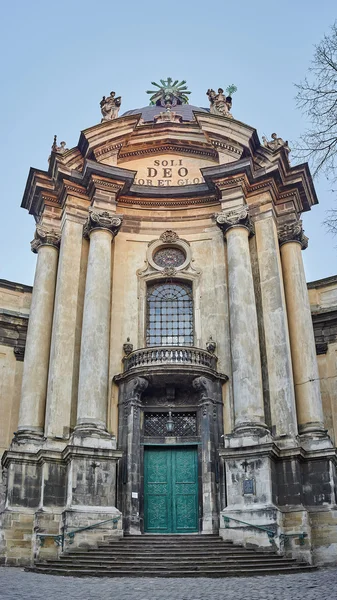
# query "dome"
(149, 112)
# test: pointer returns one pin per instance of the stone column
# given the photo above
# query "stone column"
(62, 378)
(245, 349)
(302, 341)
(35, 369)
(275, 325)
(101, 228)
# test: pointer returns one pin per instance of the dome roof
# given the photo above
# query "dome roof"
(149, 112)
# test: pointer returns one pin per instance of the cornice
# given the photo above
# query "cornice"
(288, 182)
(174, 148)
(170, 203)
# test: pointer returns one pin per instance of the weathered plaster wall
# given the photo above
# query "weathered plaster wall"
(14, 310)
(323, 302)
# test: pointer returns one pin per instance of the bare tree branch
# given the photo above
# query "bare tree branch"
(317, 98)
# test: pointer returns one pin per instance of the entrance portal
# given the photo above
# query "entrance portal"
(170, 490)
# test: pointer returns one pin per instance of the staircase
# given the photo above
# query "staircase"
(169, 556)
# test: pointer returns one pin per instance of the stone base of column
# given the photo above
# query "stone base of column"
(92, 436)
(314, 439)
(250, 435)
(31, 434)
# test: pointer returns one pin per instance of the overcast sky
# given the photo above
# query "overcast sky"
(59, 58)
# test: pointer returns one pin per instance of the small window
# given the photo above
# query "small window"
(169, 314)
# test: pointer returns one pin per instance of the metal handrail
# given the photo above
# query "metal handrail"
(71, 534)
(60, 537)
(271, 534)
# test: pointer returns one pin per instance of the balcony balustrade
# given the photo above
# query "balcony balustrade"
(169, 355)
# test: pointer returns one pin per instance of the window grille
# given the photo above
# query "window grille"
(169, 314)
(185, 424)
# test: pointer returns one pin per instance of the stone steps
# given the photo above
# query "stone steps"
(168, 556)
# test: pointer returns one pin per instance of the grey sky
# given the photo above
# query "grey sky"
(58, 59)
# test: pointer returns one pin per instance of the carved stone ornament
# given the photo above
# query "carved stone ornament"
(136, 387)
(211, 345)
(169, 236)
(19, 352)
(169, 271)
(275, 143)
(127, 347)
(102, 220)
(292, 232)
(110, 107)
(204, 386)
(168, 116)
(44, 237)
(234, 218)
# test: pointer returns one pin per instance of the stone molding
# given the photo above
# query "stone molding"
(292, 232)
(102, 220)
(45, 237)
(226, 220)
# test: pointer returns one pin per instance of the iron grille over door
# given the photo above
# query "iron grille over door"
(184, 424)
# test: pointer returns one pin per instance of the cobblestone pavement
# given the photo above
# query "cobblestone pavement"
(15, 584)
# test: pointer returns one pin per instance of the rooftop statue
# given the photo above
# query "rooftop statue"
(221, 104)
(275, 143)
(170, 93)
(110, 107)
(59, 149)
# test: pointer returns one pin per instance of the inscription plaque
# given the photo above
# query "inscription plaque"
(248, 486)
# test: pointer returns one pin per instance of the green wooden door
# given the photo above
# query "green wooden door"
(170, 490)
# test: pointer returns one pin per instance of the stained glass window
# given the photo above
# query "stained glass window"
(169, 257)
(169, 314)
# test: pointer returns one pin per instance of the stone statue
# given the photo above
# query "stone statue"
(59, 149)
(275, 143)
(110, 107)
(220, 103)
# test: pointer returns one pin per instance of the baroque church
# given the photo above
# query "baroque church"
(170, 371)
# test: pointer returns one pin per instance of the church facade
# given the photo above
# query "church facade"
(170, 371)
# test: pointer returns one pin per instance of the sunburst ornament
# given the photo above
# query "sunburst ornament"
(170, 93)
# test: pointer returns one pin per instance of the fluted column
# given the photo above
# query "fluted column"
(101, 228)
(35, 368)
(245, 349)
(302, 341)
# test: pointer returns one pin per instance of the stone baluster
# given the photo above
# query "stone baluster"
(35, 369)
(245, 348)
(303, 351)
(101, 228)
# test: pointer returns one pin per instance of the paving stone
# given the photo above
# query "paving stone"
(16, 584)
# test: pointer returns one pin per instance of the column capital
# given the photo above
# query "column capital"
(102, 220)
(45, 237)
(292, 232)
(239, 217)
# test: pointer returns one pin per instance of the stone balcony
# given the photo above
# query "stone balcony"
(170, 360)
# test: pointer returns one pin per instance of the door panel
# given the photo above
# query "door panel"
(185, 490)
(170, 490)
(157, 489)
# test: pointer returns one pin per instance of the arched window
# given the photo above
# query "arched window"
(169, 314)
